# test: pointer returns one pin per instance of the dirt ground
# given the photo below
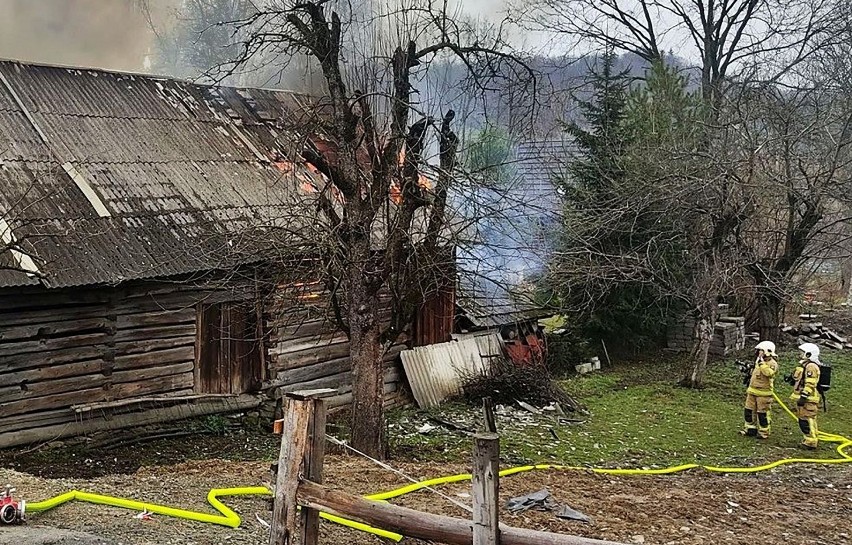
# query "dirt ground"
(689, 509)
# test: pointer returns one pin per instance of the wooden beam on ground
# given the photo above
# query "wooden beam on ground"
(420, 525)
(485, 482)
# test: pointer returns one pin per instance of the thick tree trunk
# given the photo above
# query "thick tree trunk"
(365, 351)
(846, 280)
(769, 309)
(367, 389)
(705, 323)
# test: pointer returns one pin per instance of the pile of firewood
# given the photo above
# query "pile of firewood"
(815, 332)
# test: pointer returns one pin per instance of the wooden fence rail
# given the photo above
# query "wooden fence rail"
(299, 479)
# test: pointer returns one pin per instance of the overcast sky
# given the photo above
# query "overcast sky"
(114, 34)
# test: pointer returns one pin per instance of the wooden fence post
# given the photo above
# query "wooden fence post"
(309, 534)
(488, 415)
(301, 455)
(486, 508)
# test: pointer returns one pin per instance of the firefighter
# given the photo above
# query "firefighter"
(758, 402)
(805, 393)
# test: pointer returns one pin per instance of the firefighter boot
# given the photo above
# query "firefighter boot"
(750, 428)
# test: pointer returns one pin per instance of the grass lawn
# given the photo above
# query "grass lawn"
(639, 418)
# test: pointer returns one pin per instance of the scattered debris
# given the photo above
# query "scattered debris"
(540, 501)
(426, 428)
(261, 521)
(144, 515)
(566, 512)
(526, 406)
(816, 331)
(451, 425)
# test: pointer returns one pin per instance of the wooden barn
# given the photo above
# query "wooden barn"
(128, 293)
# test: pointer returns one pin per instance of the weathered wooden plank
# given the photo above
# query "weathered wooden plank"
(35, 420)
(135, 402)
(73, 427)
(28, 390)
(16, 377)
(53, 357)
(154, 358)
(312, 356)
(138, 375)
(106, 393)
(282, 347)
(299, 330)
(22, 298)
(153, 344)
(56, 343)
(335, 383)
(42, 316)
(165, 332)
(345, 399)
(164, 317)
(311, 372)
(320, 354)
(52, 328)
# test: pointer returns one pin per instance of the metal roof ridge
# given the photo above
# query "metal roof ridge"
(146, 75)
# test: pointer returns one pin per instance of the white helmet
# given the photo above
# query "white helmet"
(811, 351)
(766, 346)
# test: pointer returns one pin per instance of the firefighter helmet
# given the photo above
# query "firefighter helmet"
(811, 351)
(767, 346)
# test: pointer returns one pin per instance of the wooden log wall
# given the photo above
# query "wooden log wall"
(89, 346)
(93, 347)
(306, 351)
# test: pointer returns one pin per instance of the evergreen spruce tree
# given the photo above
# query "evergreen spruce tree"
(602, 140)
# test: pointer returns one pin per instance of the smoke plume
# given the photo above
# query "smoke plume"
(111, 34)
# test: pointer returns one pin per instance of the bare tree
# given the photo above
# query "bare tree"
(759, 38)
(383, 228)
(800, 142)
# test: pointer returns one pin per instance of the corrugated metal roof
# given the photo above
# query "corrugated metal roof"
(488, 303)
(436, 372)
(180, 168)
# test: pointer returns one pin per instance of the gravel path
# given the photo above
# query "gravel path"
(41, 535)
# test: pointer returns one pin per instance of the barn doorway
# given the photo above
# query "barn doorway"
(230, 349)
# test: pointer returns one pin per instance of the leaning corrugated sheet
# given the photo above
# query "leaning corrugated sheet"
(436, 372)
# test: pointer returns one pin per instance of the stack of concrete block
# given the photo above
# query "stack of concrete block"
(679, 335)
(728, 335)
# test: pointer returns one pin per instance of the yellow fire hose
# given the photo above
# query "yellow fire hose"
(227, 517)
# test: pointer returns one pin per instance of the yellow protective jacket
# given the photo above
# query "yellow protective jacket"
(806, 376)
(763, 378)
